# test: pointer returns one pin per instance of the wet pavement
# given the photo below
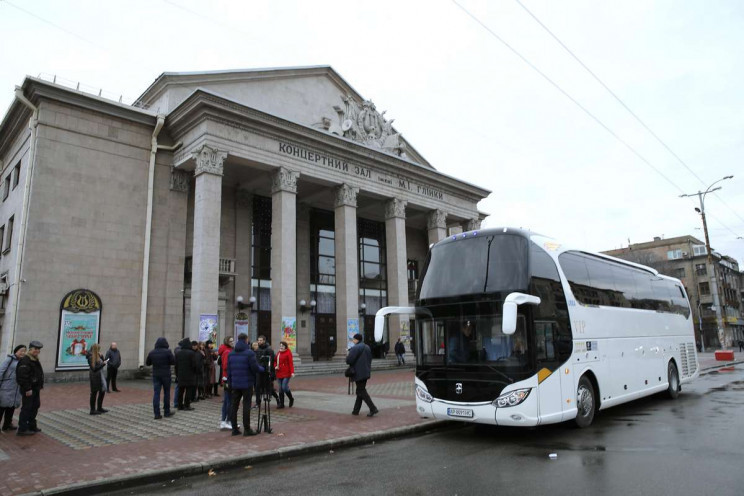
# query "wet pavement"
(127, 445)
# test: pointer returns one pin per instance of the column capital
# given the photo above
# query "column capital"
(179, 180)
(437, 219)
(209, 160)
(243, 199)
(395, 208)
(346, 195)
(284, 180)
(472, 225)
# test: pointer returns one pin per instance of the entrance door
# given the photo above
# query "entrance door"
(325, 336)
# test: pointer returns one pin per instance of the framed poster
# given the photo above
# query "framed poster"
(208, 326)
(352, 327)
(289, 333)
(241, 325)
(79, 328)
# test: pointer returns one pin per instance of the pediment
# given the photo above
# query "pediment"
(316, 97)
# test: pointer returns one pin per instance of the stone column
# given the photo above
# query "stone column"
(347, 264)
(243, 233)
(304, 319)
(206, 253)
(436, 226)
(397, 265)
(283, 251)
(471, 225)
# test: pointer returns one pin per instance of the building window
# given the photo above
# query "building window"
(323, 261)
(372, 271)
(674, 254)
(6, 186)
(16, 174)
(701, 270)
(2, 236)
(6, 246)
(679, 273)
(261, 266)
(413, 273)
(698, 250)
(704, 289)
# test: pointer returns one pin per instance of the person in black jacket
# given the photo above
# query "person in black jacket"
(113, 362)
(400, 352)
(161, 359)
(265, 380)
(360, 357)
(96, 363)
(186, 370)
(30, 377)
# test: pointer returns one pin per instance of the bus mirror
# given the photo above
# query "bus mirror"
(509, 321)
(380, 318)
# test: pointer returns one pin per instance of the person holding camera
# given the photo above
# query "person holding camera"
(265, 380)
(242, 369)
(96, 363)
(284, 367)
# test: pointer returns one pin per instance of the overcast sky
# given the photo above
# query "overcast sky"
(467, 103)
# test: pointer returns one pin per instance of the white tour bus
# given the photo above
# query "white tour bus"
(514, 329)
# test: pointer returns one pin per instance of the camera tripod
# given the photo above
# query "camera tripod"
(264, 417)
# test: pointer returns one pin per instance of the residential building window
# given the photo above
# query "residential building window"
(6, 185)
(701, 269)
(6, 247)
(16, 174)
(699, 250)
(674, 254)
(704, 289)
(679, 273)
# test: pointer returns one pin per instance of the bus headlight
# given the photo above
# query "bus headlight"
(512, 398)
(423, 395)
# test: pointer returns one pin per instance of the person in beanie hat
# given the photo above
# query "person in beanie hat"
(30, 379)
(10, 392)
(360, 357)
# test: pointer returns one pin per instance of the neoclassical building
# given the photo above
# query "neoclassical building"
(272, 201)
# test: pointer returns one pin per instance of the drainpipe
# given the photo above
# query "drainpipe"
(15, 289)
(148, 232)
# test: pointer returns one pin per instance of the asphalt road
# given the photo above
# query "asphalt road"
(690, 446)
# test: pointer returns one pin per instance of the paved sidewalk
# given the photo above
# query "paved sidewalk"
(75, 448)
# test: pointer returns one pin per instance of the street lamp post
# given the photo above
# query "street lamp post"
(714, 279)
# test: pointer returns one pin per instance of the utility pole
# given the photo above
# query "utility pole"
(720, 319)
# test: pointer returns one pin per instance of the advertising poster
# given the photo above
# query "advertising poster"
(405, 334)
(208, 327)
(289, 332)
(79, 329)
(241, 326)
(352, 327)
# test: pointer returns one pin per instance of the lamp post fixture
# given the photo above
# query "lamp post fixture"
(714, 290)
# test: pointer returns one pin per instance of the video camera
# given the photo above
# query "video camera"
(264, 360)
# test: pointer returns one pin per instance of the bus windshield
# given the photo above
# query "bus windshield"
(472, 340)
(476, 265)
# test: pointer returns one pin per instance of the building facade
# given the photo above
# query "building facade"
(276, 202)
(714, 286)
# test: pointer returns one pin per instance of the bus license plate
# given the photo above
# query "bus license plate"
(460, 412)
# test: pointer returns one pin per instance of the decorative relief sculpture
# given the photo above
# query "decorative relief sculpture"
(209, 160)
(364, 124)
(179, 180)
(395, 208)
(437, 219)
(346, 195)
(285, 180)
(473, 225)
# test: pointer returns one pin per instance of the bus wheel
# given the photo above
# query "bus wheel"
(585, 403)
(673, 376)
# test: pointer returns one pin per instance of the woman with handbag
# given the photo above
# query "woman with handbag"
(10, 392)
(96, 364)
(284, 366)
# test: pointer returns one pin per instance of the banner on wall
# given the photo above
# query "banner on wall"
(208, 327)
(79, 328)
(241, 325)
(289, 333)
(405, 334)
(352, 327)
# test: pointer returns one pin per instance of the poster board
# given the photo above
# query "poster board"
(352, 327)
(289, 333)
(79, 328)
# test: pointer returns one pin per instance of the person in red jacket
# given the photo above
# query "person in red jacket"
(225, 348)
(284, 372)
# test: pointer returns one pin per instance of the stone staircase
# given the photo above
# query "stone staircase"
(337, 367)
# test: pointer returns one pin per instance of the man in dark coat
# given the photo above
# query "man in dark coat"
(30, 378)
(186, 370)
(242, 368)
(400, 352)
(113, 358)
(265, 381)
(161, 359)
(360, 357)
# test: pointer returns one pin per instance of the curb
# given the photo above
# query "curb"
(148, 477)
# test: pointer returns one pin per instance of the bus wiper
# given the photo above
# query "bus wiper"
(494, 369)
(488, 261)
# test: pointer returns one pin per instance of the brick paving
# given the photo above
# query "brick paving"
(75, 447)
